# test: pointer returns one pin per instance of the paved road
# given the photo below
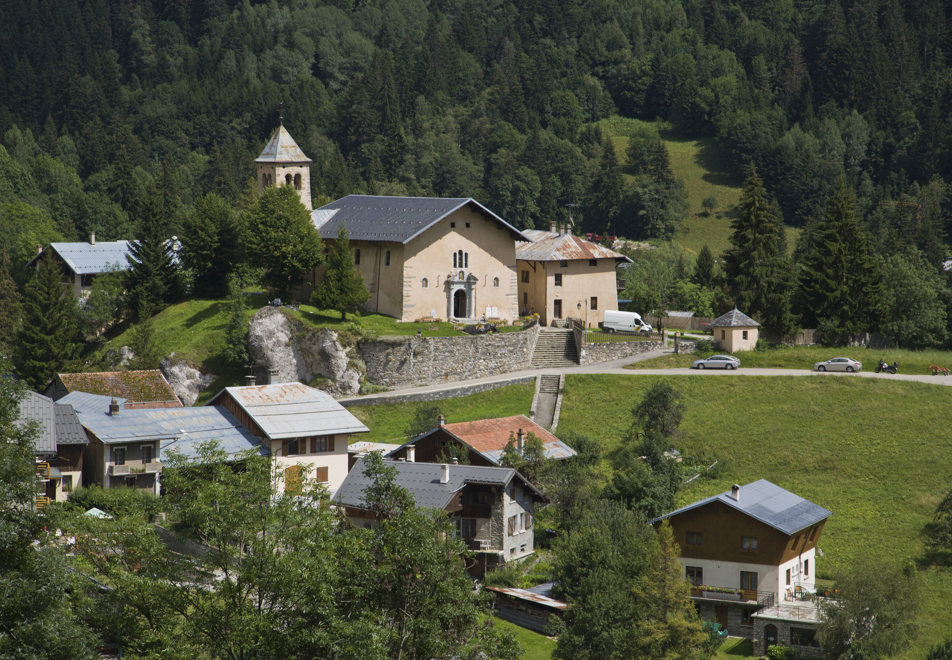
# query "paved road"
(618, 367)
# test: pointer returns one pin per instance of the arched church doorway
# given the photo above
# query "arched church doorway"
(459, 304)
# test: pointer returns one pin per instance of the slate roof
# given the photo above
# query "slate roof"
(282, 148)
(89, 258)
(423, 482)
(734, 319)
(144, 388)
(489, 437)
(768, 503)
(552, 246)
(393, 219)
(182, 429)
(58, 423)
(293, 410)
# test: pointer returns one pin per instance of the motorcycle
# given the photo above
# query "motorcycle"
(887, 368)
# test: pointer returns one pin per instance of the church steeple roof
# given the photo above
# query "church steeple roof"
(282, 148)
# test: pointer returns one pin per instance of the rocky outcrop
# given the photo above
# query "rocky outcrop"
(291, 351)
(187, 382)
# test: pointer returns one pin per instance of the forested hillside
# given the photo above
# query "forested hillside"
(106, 105)
(473, 97)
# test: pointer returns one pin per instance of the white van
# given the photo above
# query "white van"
(624, 322)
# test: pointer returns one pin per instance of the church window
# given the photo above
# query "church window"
(496, 282)
(357, 257)
(425, 282)
(287, 179)
(386, 258)
(297, 181)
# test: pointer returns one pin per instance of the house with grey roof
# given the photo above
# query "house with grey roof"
(306, 431)
(127, 445)
(82, 262)
(428, 257)
(58, 446)
(491, 507)
(735, 331)
(750, 556)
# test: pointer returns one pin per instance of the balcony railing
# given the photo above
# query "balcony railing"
(135, 468)
(713, 592)
(42, 502)
(43, 470)
(479, 545)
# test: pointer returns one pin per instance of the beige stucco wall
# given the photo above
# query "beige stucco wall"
(382, 281)
(580, 283)
(335, 461)
(732, 339)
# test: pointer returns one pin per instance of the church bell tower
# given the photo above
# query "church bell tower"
(283, 163)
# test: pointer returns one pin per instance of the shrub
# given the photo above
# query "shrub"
(117, 501)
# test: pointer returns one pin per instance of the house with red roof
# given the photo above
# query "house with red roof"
(482, 441)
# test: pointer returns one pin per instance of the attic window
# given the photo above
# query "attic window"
(452, 225)
(748, 543)
(694, 538)
(563, 264)
(467, 225)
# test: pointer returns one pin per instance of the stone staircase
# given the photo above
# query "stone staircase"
(554, 348)
(549, 384)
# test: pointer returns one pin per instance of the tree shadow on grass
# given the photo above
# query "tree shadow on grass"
(737, 646)
(209, 312)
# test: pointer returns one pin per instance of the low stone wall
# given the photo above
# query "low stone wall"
(613, 350)
(430, 395)
(393, 361)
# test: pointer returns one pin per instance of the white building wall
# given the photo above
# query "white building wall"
(335, 461)
(718, 573)
(797, 578)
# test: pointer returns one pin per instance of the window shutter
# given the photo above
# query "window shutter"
(512, 525)
(330, 443)
(293, 480)
(528, 520)
(322, 474)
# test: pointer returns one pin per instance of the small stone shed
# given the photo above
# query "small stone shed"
(735, 331)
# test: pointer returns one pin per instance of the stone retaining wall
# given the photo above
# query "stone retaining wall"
(613, 350)
(393, 361)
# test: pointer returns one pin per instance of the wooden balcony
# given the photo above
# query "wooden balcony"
(43, 470)
(480, 545)
(42, 502)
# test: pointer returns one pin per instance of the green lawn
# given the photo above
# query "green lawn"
(804, 357)
(534, 646)
(875, 452)
(380, 325)
(387, 421)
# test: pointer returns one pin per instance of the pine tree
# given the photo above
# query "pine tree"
(49, 338)
(341, 288)
(704, 268)
(840, 281)
(11, 307)
(153, 279)
(758, 272)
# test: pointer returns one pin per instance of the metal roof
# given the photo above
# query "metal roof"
(69, 431)
(39, 408)
(423, 482)
(734, 319)
(282, 148)
(393, 219)
(531, 596)
(91, 258)
(552, 246)
(768, 503)
(294, 410)
(364, 446)
(182, 429)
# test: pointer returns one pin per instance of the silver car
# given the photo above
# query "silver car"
(717, 362)
(838, 364)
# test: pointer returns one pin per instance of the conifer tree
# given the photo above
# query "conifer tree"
(758, 272)
(49, 338)
(840, 281)
(341, 288)
(704, 268)
(152, 280)
(11, 307)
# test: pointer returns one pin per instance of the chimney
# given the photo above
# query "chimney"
(520, 441)
(455, 461)
(250, 378)
(444, 473)
(411, 454)
(113, 407)
(272, 376)
(92, 238)
(39, 249)
(441, 421)
(553, 227)
(735, 492)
